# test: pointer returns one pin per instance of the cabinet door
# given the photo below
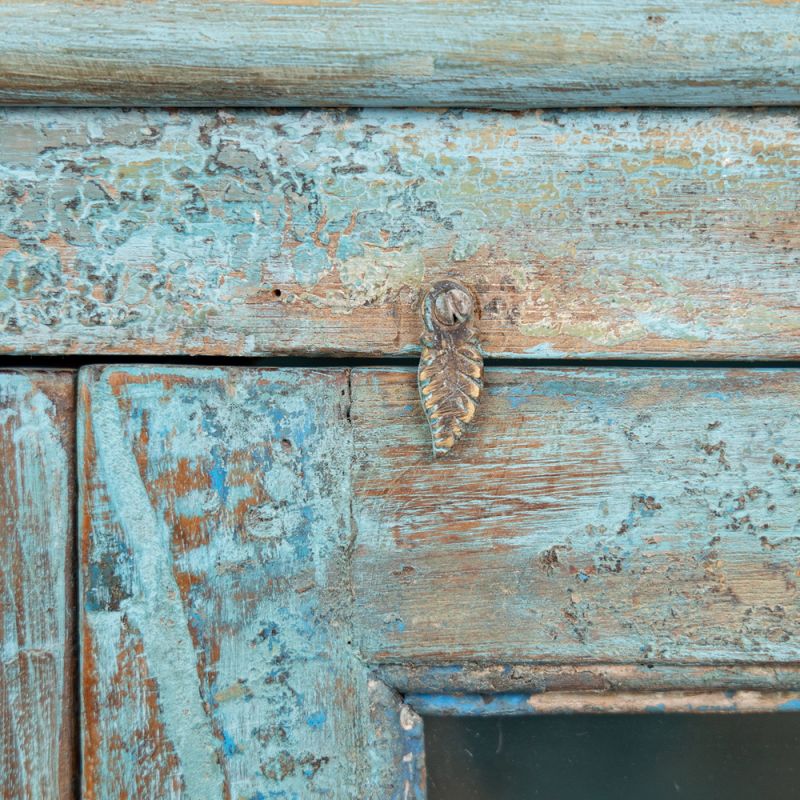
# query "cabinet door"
(278, 577)
(658, 233)
(38, 730)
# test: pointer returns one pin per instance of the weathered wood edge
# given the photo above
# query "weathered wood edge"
(411, 679)
(610, 234)
(434, 53)
(586, 702)
(41, 742)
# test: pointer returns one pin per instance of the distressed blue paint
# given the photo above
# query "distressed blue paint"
(37, 703)
(518, 54)
(660, 233)
(316, 720)
(469, 705)
(228, 745)
(790, 705)
(236, 614)
(667, 537)
(217, 474)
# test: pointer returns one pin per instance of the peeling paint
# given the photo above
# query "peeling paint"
(224, 666)
(37, 663)
(259, 232)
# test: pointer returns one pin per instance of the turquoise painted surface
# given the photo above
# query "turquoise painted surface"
(510, 704)
(602, 516)
(37, 660)
(215, 591)
(531, 678)
(610, 233)
(266, 553)
(436, 52)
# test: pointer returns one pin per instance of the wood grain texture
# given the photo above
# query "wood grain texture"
(215, 551)
(38, 734)
(522, 679)
(609, 516)
(623, 234)
(381, 52)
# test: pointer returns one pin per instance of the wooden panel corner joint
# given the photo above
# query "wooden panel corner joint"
(450, 374)
(274, 586)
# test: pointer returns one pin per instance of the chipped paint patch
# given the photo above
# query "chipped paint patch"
(632, 234)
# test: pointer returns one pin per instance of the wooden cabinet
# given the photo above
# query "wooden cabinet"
(230, 565)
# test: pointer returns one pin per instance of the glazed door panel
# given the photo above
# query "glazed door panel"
(272, 560)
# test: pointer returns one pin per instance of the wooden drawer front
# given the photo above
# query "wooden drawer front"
(632, 234)
(268, 554)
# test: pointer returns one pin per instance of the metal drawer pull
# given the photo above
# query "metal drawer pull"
(450, 374)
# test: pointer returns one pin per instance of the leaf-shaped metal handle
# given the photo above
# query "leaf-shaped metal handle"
(450, 372)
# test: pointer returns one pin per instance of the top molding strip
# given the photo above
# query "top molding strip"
(515, 54)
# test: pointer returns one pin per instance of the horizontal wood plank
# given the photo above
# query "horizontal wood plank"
(671, 234)
(642, 678)
(433, 52)
(727, 702)
(38, 703)
(216, 658)
(608, 516)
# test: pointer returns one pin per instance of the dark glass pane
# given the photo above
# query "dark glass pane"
(614, 757)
